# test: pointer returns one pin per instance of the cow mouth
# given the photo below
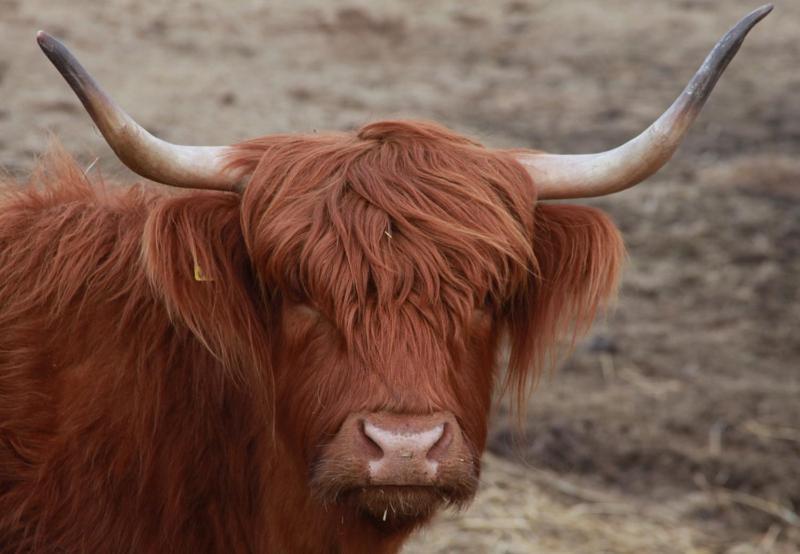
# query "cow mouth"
(393, 507)
(396, 506)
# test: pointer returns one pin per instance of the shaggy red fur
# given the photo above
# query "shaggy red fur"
(142, 410)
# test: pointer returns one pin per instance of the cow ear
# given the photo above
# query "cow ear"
(197, 263)
(578, 252)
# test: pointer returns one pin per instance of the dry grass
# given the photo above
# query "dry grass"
(531, 511)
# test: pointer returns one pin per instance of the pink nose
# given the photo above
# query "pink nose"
(406, 450)
(405, 446)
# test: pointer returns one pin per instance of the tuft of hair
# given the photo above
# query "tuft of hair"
(92, 243)
(407, 213)
(579, 253)
(396, 232)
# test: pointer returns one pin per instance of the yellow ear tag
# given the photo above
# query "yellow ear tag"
(199, 275)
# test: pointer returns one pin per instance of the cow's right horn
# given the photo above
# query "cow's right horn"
(199, 167)
(558, 176)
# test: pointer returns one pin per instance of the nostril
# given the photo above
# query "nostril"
(438, 450)
(373, 449)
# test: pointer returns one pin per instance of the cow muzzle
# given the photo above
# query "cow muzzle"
(397, 467)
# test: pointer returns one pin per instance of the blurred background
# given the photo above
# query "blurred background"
(675, 426)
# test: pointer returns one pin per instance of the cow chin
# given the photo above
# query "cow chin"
(399, 506)
(391, 506)
(394, 507)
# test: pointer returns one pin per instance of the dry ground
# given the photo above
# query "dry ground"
(675, 427)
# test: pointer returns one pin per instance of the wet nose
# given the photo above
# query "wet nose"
(406, 450)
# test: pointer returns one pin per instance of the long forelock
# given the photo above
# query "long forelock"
(396, 232)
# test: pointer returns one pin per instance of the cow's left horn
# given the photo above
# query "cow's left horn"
(583, 175)
(201, 167)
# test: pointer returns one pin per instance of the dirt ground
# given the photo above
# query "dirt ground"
(675, 426)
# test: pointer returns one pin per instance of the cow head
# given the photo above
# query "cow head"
(395, 258)
(392, 264)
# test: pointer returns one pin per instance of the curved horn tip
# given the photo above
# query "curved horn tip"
(50, 45)
(43, 39)
(763, 10)
(750, 20)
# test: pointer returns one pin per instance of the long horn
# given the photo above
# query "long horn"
(584, 175)
(201, 167)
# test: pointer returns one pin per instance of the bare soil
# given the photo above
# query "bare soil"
(675, 426)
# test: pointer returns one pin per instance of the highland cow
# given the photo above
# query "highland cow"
(302, 357)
